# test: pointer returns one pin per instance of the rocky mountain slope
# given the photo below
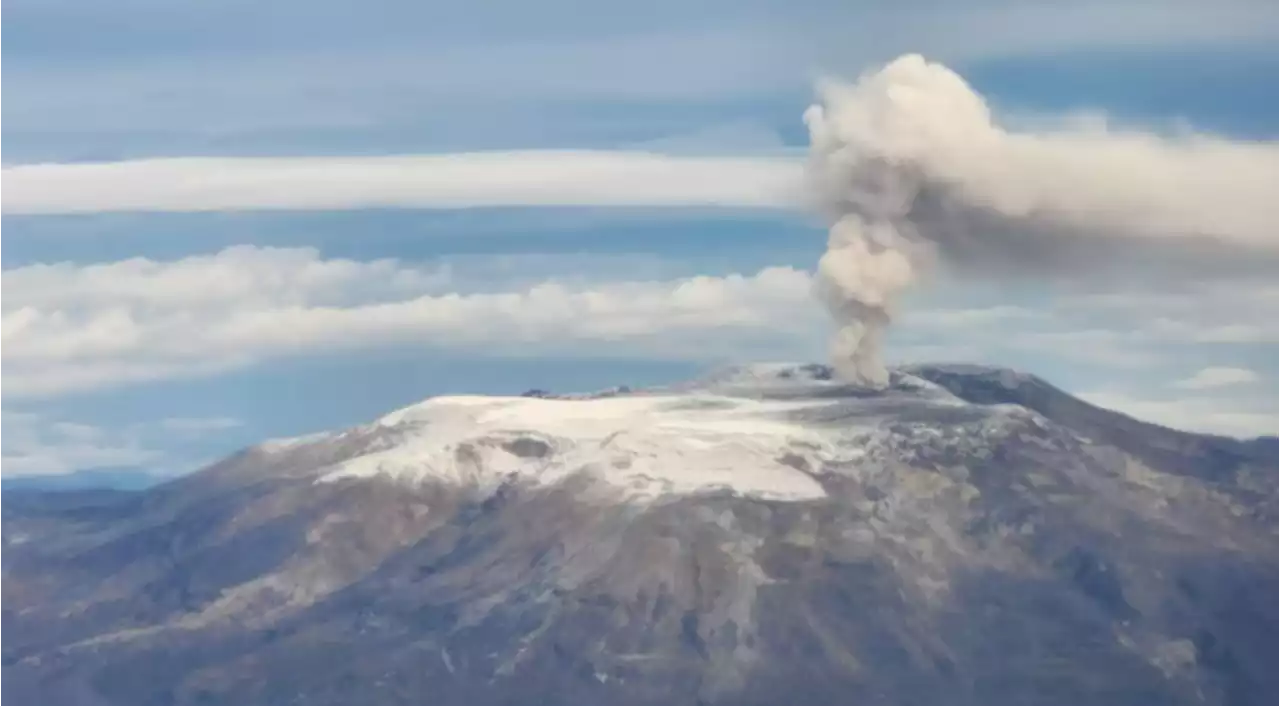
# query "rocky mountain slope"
(765, 536)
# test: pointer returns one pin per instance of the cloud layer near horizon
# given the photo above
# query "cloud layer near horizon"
(38, 446)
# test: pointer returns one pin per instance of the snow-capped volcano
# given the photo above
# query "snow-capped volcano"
(766, 535)
(645, 445)
(764, 431)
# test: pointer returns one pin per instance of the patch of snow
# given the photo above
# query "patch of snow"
(285, 443)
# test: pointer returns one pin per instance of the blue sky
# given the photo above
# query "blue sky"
(691, 287)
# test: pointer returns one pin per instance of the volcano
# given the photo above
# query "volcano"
(766, 535)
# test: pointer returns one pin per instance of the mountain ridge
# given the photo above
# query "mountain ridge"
(944, 551)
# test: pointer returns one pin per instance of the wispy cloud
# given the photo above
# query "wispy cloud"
(1209, 378)
(36, 445)
(44, 444)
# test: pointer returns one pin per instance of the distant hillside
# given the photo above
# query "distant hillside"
(98, 478)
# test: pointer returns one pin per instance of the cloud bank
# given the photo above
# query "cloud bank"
(69, 328)
(914, 172)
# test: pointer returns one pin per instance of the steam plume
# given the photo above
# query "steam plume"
(911, 170)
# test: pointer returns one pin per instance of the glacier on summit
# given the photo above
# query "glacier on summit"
(769, 431)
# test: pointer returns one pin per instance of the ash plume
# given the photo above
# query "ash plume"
(913, 173)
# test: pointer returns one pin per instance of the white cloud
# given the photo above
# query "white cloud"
(531, 178)
(68, 328)
(37, 444)
(1214, 416)
(1208, 378)
(236, 275)
(34, 445)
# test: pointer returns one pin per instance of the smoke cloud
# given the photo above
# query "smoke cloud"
(913, 173)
